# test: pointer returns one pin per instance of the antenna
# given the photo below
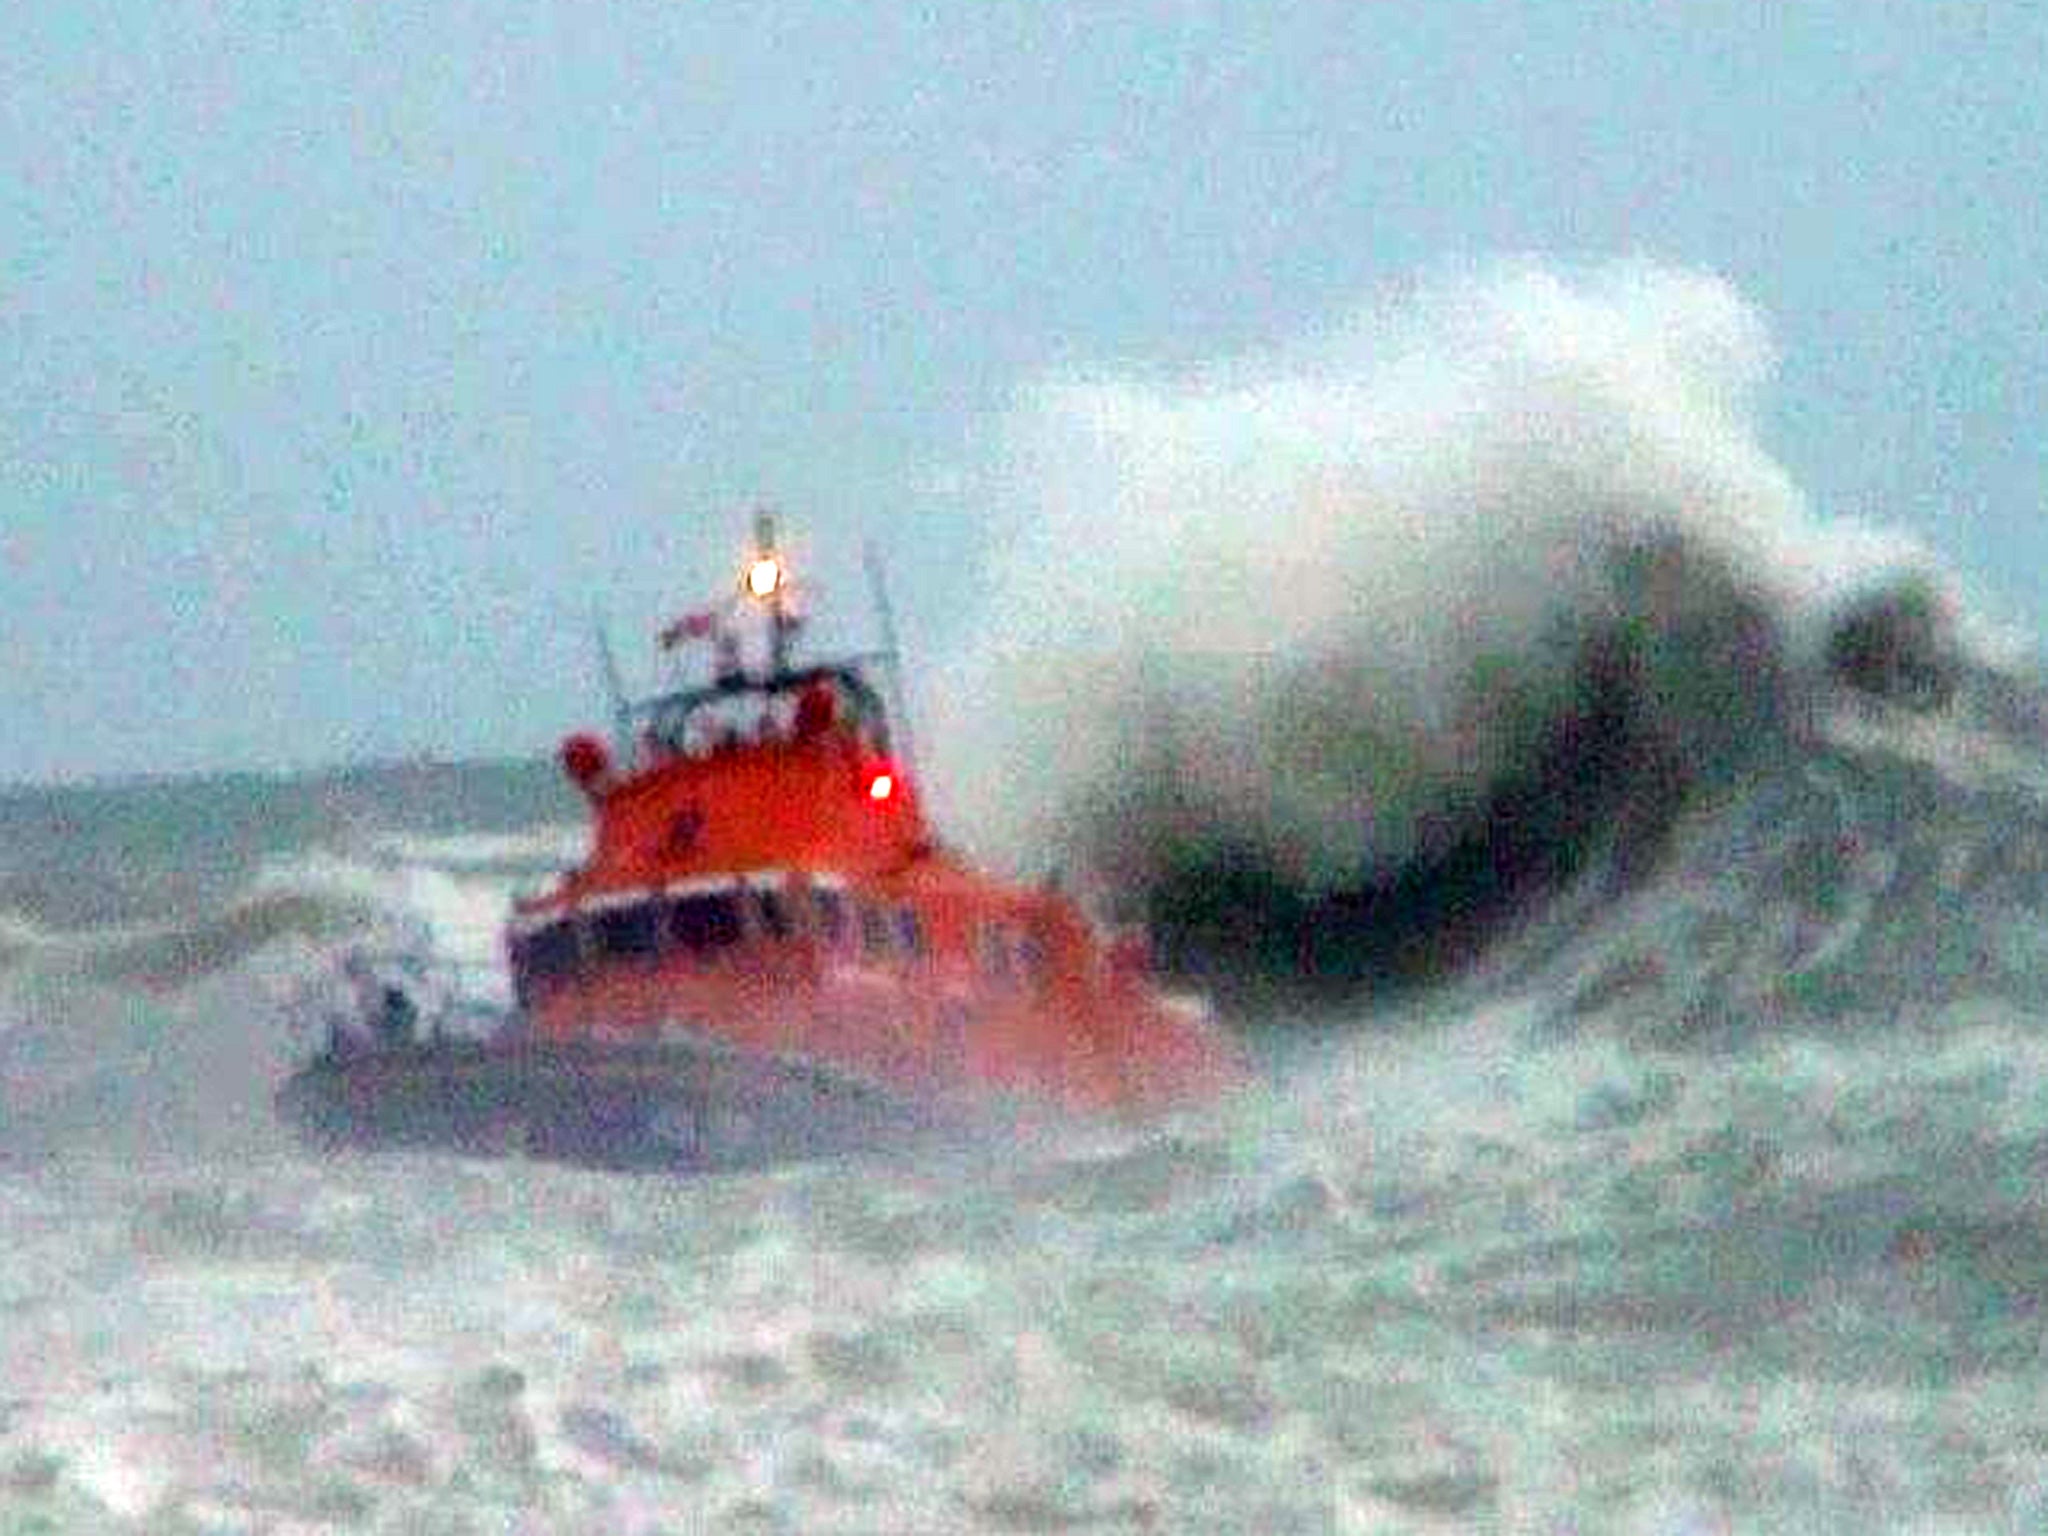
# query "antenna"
(615, 685)
(885, 616)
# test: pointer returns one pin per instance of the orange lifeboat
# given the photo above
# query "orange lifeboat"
(768, 953)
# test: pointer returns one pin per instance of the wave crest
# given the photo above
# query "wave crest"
(1325, 662)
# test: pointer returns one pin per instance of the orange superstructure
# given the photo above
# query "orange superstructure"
(762, 875)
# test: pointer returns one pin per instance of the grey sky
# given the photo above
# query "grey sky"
(348, 353)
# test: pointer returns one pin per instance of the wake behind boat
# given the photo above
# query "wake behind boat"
(767, 953)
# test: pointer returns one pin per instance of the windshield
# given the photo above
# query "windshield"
(791, 707)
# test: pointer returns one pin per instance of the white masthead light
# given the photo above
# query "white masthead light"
(765, 576)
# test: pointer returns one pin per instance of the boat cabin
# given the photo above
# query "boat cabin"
(761, 876)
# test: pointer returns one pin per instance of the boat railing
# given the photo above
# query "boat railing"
(671, 719)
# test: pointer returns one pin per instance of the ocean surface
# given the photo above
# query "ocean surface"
(1632, 888)
(1709, 1199)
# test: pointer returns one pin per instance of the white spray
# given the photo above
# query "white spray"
(1318, 603)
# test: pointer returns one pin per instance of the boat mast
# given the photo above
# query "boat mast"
(885, 617)
(615, 685)
(766, 581)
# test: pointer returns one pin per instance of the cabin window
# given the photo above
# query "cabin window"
(909, 931)
(707, 922)
(548, 952)
(830, 908)
(627, 931)
(875, 930)
(773, 912)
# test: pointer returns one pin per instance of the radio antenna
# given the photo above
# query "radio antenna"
(885, 617)
(615, 685)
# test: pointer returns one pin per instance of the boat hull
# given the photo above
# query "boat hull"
(689, 1106)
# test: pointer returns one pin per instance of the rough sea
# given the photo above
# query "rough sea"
(1652, 1107)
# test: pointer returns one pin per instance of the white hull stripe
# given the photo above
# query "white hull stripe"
(524, 924)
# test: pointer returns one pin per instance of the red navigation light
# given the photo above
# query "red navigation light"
(881, 786)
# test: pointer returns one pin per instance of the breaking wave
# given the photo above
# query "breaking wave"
(168, 1038)
(178, 956)
(404, 891)
(1328, 662)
